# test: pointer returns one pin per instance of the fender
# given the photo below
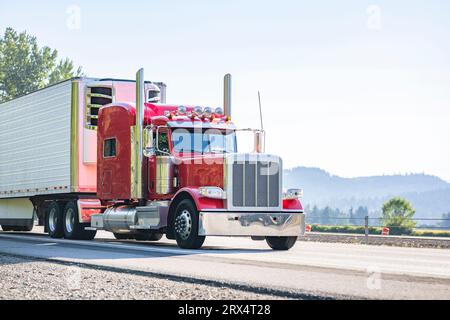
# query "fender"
(201, 203)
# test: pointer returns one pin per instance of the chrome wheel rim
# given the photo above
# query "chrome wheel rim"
(52, 220)
(183, 224)
(70, 220)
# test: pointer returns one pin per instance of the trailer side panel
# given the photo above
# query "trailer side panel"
(35, 135)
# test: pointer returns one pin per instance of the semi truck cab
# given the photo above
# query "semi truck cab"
(176, 170)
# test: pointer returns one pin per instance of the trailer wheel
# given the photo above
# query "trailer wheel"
(152, 236)
(281, 243)
(73, 229)
(54, 220)
(186, 226)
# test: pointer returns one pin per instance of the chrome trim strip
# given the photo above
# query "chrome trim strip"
(74, 136)
(137, 188)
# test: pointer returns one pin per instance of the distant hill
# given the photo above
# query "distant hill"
(429, 195)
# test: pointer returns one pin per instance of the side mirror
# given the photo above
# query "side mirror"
(149, 148)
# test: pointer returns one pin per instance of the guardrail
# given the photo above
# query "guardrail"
(378, 223)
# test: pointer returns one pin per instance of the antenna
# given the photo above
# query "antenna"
(260, 111)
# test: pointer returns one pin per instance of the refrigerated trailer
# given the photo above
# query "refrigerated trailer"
(48, 147)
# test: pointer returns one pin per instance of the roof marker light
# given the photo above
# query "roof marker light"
(198, 111)
(219, 112)
(207, 112)
(182, 110)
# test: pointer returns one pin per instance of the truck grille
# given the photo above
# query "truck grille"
(255, 182)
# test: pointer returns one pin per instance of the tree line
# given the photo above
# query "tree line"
(26, 67)
(396, 213)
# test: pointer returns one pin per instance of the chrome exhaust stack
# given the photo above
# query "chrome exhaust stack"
(137, 188)
(227, 95)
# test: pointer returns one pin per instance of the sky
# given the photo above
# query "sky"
(355, 87)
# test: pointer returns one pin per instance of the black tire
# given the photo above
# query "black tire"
(123, 236)
(53, 220)
(152, 236)
(73, 229)
(186, 233)
(7, 228)
(281, 243)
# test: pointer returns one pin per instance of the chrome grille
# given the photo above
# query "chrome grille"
(255, 181)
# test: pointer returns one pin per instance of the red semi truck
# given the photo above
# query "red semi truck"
(105, 154)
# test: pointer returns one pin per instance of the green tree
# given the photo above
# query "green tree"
(398, 216)
(25, 67)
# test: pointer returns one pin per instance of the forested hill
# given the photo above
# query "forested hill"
(429, 195)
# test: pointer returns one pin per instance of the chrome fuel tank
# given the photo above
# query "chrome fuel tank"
(129, 219)
(119, 219)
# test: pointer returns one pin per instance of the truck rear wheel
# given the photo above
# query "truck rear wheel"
(186, 226)
(54, 220)
(281, 243)
(73, 229)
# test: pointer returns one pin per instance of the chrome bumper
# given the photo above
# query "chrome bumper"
(262, 224)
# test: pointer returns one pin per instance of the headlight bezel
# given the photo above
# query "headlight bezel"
(292, 194)
(212, 192)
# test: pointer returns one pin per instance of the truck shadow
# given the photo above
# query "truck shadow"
(21, 244)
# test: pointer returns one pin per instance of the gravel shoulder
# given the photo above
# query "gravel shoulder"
(26, 278)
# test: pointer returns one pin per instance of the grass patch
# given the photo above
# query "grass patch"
(344, 229)
(376, 231)
(430, 233)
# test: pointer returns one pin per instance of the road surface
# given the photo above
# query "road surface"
(309, 270)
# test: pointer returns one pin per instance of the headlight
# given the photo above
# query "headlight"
(212, 192)
(293, 194)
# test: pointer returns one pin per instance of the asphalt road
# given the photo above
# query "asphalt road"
(309, 270)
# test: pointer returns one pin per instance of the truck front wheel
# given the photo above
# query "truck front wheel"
(73, 229)
(281, 243)
(186, 226)
(54, 220)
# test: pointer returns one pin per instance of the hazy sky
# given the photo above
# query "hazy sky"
(353, 87)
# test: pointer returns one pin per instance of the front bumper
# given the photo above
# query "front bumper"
(287, 223)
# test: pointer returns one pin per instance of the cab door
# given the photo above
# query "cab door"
(161, 167)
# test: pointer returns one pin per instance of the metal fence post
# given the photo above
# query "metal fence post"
(366, 227)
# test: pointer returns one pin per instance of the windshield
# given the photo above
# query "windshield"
(203, 141)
